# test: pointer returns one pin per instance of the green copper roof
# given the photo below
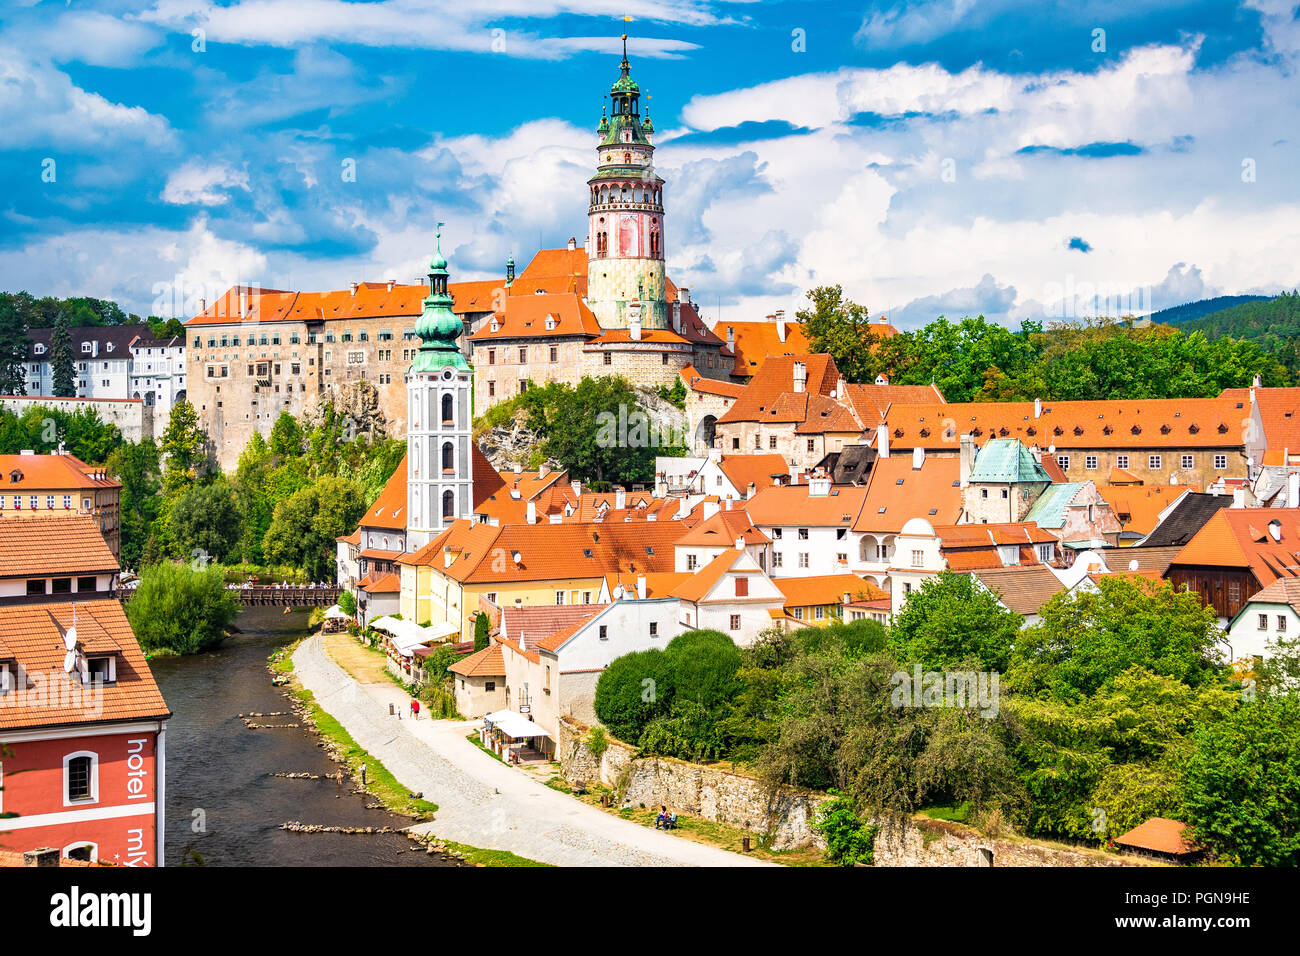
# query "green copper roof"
(1006, 460)
(1049, 510)
(438, 327)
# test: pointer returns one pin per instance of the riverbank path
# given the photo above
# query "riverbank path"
(482, 801)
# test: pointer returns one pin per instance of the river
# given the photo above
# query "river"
(223, 807)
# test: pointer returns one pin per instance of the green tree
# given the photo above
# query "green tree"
(286, 437)
(1241, 786)
(305, 525)
(136, 467)
(61, 361)
(184, 449)
(842, 329)
(205, 522)
(1086, 638)
(13, 346)
(348, 603)
(482, 631)
(951, 620)
(848, 839)
(180, 608)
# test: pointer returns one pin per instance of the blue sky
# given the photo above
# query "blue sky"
(958, 156)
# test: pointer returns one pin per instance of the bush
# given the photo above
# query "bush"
(597, 742)
(848, 839)
(180, 608)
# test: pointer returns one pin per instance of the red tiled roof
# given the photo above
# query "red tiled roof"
(371, 300)
(905, 493)
(1243, 538)
(758, 469)
(59, 544)
(696, 381)
(1279, 410)
(722, 530)
(770, 394)
(827, 589)
(488, 662)
(389, 509)
(32, 634)
(785, 505)
(388, 583)
(49, 472)
(540, 316)
(1160, 835)
(529, 626)
(1136, 423)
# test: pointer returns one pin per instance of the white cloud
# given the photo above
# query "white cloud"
(206, 185)
(41, 106)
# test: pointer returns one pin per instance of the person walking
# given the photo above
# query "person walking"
(415, 708)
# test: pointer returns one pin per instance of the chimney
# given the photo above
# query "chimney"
(1038, 408)
(640, 587)
(882, 440)
(203, 306)
(731, 337)
(577, 488)
(800, 376)
(532, 511)
(620, 498)
(750, 490)
(243, 303)
(677, 317)
(708, 509)
(780, 324)
(42, 856)
(819, 486)
(354, 287)
(446, 557)
(391, 283)
(634, 320)
(967, 457)
(543, 470)
(573, 243)
(1293, 489)
(740, 542)
(518, 468)
(841, 389)
(918, 458)
(727, 501)
(684, 295)
(1238, 497)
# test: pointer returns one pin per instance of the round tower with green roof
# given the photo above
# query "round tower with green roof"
(439, 434)
(625, 246)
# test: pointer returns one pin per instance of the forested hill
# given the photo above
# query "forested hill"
(1271, 324)
(1194, 310)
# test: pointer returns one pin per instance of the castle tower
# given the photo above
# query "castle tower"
(625, 244)
(439, 385)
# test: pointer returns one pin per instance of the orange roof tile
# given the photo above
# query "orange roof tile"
(872, 401)
(488, 662)
(41, 472)
(771, 396)
(1136, 423)
(827, 589)
(528, 626)
(756, 342)
(32, 635)
(757, 469)
(388, 583)
(657, 585)
(896, 493)
(1138, 506)
(389, 509)
(1279, 410)
(696, 381)
(60, 544)
(722, 530)
(539, 316)
(1244, 538)
(786, 505)
(1160, 835)
(696, 587)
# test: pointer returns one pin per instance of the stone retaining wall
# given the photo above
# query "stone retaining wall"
(695, 789)
(941, 843)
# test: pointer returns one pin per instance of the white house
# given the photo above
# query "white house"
(810, 526)
(1270, 615)
(731, 594)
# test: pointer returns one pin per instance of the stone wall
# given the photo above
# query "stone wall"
(132, 417)
(694, 789)
(941, 843)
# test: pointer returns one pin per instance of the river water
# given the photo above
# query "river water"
(223, 807)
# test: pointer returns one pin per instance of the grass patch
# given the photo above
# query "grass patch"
(379, 781)
(481, 857)
(959, 814)
(472, 737)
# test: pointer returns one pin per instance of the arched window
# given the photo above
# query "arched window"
(448, 457)
(448, 416)
(449, 504)
(627, 159)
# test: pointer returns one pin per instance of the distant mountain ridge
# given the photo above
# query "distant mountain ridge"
(1271, 323)
(1190, 311)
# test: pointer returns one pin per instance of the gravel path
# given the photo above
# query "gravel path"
(481, 801)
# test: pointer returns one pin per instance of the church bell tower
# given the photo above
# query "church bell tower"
(439, 463)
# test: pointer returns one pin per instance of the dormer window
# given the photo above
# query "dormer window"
(85, 347)
(15, 476)
(101, 669)
(6, 681)
(39, 348)
(550, 323)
